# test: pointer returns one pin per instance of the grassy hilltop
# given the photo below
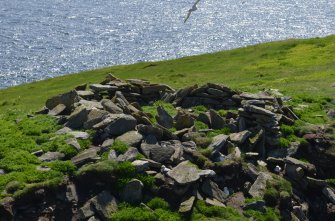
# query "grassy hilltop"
(300, 68)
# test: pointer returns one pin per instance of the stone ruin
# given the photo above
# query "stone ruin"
(182, 173)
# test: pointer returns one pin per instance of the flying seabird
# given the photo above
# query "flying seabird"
(194, 8)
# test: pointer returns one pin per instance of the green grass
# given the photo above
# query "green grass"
(296, 67)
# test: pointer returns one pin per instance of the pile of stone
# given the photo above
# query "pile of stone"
(216, 96)
(182, 173)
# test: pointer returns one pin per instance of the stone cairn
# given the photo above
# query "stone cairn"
(182, 174)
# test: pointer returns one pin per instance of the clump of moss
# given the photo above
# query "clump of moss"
(277, 189)
(119, 147)
(270, 214)
(203, 211)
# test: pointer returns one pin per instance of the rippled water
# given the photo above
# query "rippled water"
(47, 38)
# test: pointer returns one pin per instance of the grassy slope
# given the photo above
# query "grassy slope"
(296, 67)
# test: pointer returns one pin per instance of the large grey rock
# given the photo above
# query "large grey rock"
(306, 166)
(86, 211)
(240, 137)
(87, 95)
(205, 118)
(163, 118)
(129, 155)
(51, 156)
(73, 143)
(149, 130)
(107, 143)
(183, 120)
(77, 118)
(94, 116)
(184, 173)
(68, 99)
(64, 130)
(249, 96)
(81, 135)
(212, 190)
(176, 145)
(218, 142)
(214, 202)
(146, 148)
(104, 205)
(57, 110)
(217, 92)
(132, 193)
(259, 110)
(120, 125)
(101, 88)
(161, 153)
(71, 193)
(131, 138)
(258, 187)
(90, 104)
(141, 165)
(89, 155)
(217, 122)
(329, 193)
(111, 107)
(187, 205)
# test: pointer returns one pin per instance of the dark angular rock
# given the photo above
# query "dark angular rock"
(212, 190)
(132, 193)
(183, 120)
(57, 110)
(121, 125)
(217, 122)
(89, 155)
(163, 118)
(68, 99)
(111, 107)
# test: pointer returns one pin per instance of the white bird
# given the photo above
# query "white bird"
(194, 8)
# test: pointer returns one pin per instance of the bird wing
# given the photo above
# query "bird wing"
(190, 11)
(188, 15)
(195, 3)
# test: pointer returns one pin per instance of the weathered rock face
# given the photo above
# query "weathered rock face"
(163, 118)
(258, 188)
(51, 156)
(131, 138)
(216, 121)
(212, 191)
(183, 120)
(132, 192)
(89, 155)
(67, 99)
(121, 124)
(184, 173)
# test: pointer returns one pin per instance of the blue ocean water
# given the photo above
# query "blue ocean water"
(46, 38)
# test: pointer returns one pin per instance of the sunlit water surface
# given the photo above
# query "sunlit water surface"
(46, 38)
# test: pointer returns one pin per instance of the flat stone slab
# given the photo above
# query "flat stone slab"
(51, 156)
(184, 173)
(258, 188)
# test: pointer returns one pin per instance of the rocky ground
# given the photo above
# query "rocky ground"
(200, 143)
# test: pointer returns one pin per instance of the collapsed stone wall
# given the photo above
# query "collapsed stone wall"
(183, 174)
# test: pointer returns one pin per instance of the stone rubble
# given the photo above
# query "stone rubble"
(183, 173)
